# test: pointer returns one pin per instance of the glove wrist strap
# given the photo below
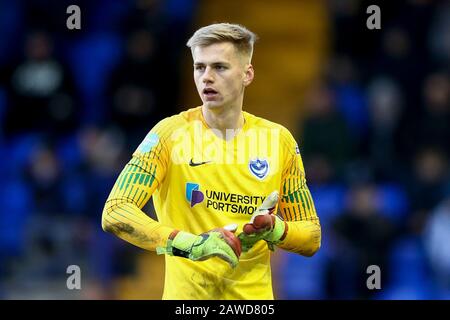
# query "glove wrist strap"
(180, 245)
(278, 231)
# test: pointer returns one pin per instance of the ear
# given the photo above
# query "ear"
(249, 75)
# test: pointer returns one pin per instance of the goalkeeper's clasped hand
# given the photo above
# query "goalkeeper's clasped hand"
(264, 225)
(223, 243)
(219, 242)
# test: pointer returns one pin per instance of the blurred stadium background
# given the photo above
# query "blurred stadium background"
(369, 108)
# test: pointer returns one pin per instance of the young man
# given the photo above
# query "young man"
(216, 175)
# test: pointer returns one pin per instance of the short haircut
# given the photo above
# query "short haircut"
(242, 38)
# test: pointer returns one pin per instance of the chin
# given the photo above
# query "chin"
(212, 105)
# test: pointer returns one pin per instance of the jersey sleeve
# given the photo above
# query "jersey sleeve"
(146, 169)
(296, 203)
(122, 214)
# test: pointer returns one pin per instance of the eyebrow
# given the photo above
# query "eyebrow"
(213, 64)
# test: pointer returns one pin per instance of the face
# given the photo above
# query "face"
(220, 75)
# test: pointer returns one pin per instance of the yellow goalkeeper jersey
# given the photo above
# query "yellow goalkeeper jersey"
(199, 181)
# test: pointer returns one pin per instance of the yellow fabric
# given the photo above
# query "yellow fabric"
(200, 182)
(303, 237)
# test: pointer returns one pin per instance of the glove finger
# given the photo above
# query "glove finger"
(233, 242)
(248, 241)
(249, 228)
(230, 239)
(216, 245)
(227, 254)
(270, 202)
(263, 222)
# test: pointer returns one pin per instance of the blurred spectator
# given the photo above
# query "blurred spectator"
(433, 127)
(437, 238)
(43, 174)
(147, 14)
(428, 126)
(350, 98)
(395, 61)
(347, 39)
(325, 133)
(439, 37)
(361, 238)
(41, 91)
(430, 176)
(320, 170)
(103, 153)
(385, 105)
(136, 87)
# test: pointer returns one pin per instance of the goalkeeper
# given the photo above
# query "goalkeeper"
(217, 176)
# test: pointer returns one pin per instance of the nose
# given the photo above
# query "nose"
(208, 76)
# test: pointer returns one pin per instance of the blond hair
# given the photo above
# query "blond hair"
(242, 38)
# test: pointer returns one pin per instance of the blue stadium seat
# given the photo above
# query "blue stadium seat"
(392, 202)
(328, 200)
(444, 294)
(302, 277)
(180, 9)
(69, 153)
(92, 59)
(419, 292)
(11, 28)
(18, 151)
(16, 204)
(75, 194)
(107, 14)
(409, 273)
(352, 105)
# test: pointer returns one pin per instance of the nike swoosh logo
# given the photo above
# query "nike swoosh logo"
(194, 164)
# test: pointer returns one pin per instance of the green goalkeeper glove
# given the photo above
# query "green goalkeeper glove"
(219, 242)
(264, 225)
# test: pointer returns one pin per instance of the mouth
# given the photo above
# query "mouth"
(210, 93)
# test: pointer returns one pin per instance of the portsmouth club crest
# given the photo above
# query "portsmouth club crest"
(259, 168)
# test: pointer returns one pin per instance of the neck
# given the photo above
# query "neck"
(222, 119)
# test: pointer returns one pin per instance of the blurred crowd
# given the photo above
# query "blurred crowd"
(73, 107)
(376, 146)
(375, 142)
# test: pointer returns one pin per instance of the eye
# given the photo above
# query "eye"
(220, 68)
(199, 68)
